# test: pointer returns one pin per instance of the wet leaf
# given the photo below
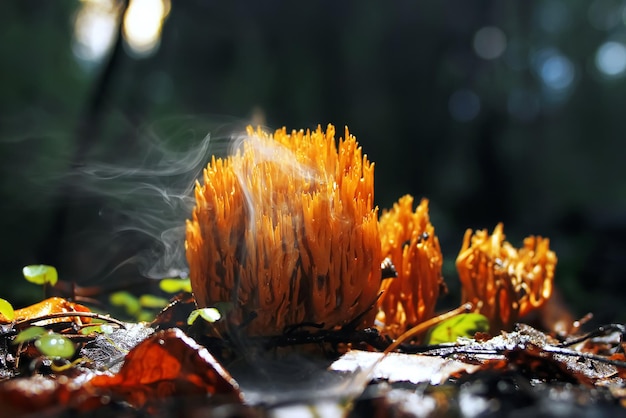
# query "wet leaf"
(55, 345)
(41, 274)
(169, 363)
(107, 351)
(462, 325)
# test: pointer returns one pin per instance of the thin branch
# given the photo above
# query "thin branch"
(55, 315)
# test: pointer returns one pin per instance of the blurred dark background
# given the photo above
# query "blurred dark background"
(508, 111)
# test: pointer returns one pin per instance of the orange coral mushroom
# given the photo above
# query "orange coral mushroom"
(409, 240)
(286, 230)
(503, 282)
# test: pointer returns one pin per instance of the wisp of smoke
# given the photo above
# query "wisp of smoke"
(147, 190)
(265, 197)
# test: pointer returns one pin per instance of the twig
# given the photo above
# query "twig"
(598, 332)
(55, 315)
(424, 326)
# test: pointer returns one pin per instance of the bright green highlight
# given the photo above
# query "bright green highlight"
(97, 329)
(127, 301)
(41, 274)
(6, 309)
(151, 301)
(55, 345)
(28, 334)
(462, 325)
(175, 285)
(208, 314)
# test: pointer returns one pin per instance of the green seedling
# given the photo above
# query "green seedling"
(127, 301)
(41, 274)
(29, 334)
(55, 345)
(175, 285)
(97, 329)
(6, 310)
(462, 325)
(210, 315)
(50, 344)
(151, 301)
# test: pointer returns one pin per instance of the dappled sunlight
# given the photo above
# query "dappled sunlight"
(143, 24)
(96, 27)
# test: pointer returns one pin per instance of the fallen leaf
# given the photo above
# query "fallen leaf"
(167, 364)
(398, 367)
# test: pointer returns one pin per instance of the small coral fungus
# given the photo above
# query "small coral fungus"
(409, 240)
(286, 231)
(503, 282)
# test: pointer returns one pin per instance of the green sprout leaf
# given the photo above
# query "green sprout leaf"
(97, 329)
(127, 301)
(6, 309)
(463, 325)
(41, 274)
(151, 301)
(55, 345)
(208, 314)
(175, 285)
(28, 334)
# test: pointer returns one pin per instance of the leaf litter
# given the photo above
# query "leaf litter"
(135, 368)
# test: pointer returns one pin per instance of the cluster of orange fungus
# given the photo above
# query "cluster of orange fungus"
(285, 231)
(503, 282)
(409, 241)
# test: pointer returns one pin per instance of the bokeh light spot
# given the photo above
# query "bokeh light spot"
(489, 42)
(556, 71)
(142, 25)
(464, 105)
(611, 59)
(95, 26)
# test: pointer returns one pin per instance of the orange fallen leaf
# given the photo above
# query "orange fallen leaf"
(169, 363)
(47, 307)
